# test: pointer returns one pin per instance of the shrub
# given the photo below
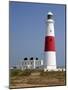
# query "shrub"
(25, 72)
(16, 72)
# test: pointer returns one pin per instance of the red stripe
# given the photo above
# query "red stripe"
(49, 43)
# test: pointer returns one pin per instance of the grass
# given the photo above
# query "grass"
(29, 78)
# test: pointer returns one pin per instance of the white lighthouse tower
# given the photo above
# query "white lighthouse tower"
(49, 47)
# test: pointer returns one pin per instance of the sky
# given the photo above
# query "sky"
(27, 30)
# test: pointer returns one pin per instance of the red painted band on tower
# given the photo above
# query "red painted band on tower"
(49, 43)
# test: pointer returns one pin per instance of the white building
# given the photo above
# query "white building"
(32, 63)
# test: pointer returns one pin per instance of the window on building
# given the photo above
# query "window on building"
(22, 63)
(28, 63)
(31, 62)
(25, 63)
(36, 63)
(40, 62)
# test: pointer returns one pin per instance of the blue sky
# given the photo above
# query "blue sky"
(27, 27)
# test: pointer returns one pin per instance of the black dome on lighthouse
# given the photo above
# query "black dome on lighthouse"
(50, 15)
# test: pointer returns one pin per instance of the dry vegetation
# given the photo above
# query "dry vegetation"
(35, 78)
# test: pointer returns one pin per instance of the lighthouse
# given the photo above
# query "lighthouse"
(49, 45)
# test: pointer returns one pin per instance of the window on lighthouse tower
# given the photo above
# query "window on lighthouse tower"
(50, 31)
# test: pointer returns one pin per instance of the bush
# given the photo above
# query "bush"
(25, 73)
(16, 72)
